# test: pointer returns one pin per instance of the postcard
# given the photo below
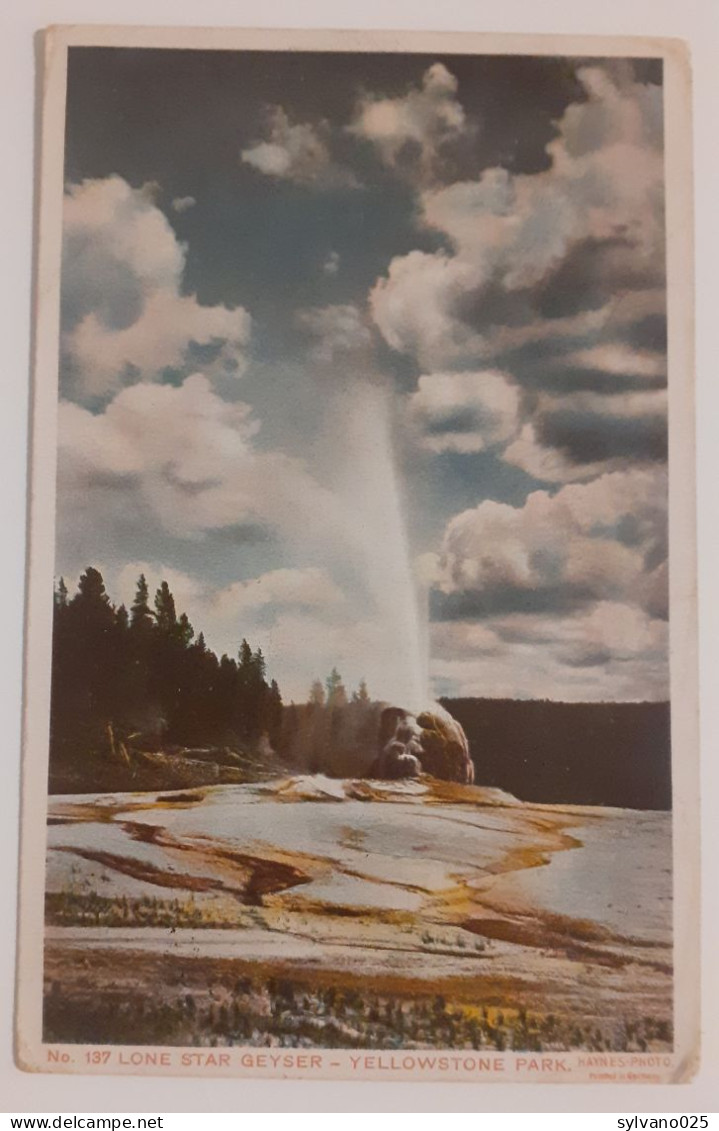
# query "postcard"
(361, 696)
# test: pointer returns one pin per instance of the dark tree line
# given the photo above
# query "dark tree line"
(143, 677)
(571, 753)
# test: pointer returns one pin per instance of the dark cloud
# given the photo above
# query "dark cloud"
(536, 373)
(649, 333)
(100, 283)
(457, 422)
(591, 273)
(586, 279)
(495, 600)
(586, 657)
(242, 534)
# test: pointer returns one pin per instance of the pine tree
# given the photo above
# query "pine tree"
(141, 677)
(91, 591)
(259, 666)
(86, 660)
(361, 695)
(165, 614)
(336, 691)
(256, 720)
(185, 631)
(274, 713)
(245, 658)
(317, 694)
(226, 699)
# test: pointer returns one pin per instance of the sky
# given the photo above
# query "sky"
(365, 354)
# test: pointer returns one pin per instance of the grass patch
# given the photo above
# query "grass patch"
(284, 1012)
(87, 909)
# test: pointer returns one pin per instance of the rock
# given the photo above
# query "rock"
(445, 750)
(431, 742)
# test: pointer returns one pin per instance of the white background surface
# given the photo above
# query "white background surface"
(696, 21)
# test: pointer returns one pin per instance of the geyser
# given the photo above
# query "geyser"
(368, 483)
(377, 740)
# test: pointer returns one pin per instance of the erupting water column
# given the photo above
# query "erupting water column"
(415, 735)
(377, 530)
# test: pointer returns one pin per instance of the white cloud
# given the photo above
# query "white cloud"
(302, 645)
(465, 412)
(182, 459)
(628, 406)
(123, 305)
(165, 463)
(521, 226)
(308, 588)
(613, 651)
(331, 264)
(619, 359)
(183, 203)
(600, 202)
(411, 131)
(157, 340)
(297, 153)
(414, 307)
(337, 331)
(518, 228)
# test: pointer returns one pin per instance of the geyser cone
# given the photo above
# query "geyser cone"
(429, 742)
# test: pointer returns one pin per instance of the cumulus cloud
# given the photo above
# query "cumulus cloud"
(296, 152)
(517, 230)
(618, 359)
(308, 588)
(556, 277)
(331, 264)
(124, 312)
(183, 203)
(583, 434)
(179, 460)
(227, 613)
(414, 307)
(612, 651)
(603, 541)
(604, 185)
(465, 412)
(336, 331)
(412, 131)
(563, 597)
